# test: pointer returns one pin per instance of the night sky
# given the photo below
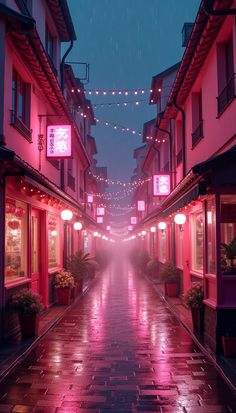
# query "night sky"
(126, 42)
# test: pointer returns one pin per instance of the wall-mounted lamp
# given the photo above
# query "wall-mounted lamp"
(78, 226)
(95, 234)
(143, 233)
(162, 226)
(153, 229)
(180, 220)
(66, 215)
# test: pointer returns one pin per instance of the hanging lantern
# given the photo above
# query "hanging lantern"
(161, 225)
(153, 229)
(180, 220)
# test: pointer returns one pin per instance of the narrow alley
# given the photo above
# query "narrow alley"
(118, 349)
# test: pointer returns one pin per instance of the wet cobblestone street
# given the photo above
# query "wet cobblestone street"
(118, 349)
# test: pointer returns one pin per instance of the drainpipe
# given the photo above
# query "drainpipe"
(183, 135)
(208, 9)
(62, 65)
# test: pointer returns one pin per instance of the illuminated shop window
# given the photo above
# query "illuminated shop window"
(197, 241)
(15, 240)
(162, 246)
(228, 233)
(211, 236)
(53, 242)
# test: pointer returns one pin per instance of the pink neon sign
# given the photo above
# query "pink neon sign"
(58, 141)
(100, 211)
(161, 185)
(141, 205)
(99, 220)
(133, 220)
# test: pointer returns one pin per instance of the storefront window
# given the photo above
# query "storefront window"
(211, 236)
(53, 242)
(197, 241)
(15, 240)
(228, 234)
(179, 247)
(86, 241)
(162, 246)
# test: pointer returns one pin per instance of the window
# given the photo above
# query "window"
(197, 124)
(228, 233)
(70, 178)
(15, 240)
(179, 236)
(49, 43)
(20, 110)
(197, 241)
(211, 236)
(53, 242)
(226, 77)
(162, 246)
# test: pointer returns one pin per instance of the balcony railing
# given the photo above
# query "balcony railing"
(197, 135)
(227, 95)
(179, 157)
(70, 181)
(20, 126)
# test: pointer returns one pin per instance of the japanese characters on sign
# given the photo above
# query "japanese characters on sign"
(108, 228)
(59, 141)
(133, 220)
(141, 205)
(130, 227)
(90, 198)
(100, 211)
(99, 220)
(161, 185)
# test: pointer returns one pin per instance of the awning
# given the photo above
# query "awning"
(180, 203)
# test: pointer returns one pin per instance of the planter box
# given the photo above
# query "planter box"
(29, 324)
(229, 346)
(197, 319)
(63, 296)
(171, 289)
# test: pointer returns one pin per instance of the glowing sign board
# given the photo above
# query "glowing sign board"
(90, 198)
(161, 185)
(100, 211)
(99, 220)
(141, 205)
(133, 220)
(59, 141)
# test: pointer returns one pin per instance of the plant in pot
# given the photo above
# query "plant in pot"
(64, 282)
(78, 264)
(153, 267)
(229, 345)
(169, 274)
(28, 305)
(193, 298)
(228, 254)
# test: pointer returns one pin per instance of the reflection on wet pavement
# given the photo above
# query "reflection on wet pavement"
(119, 349)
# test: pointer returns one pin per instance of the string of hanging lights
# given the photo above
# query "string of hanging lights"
(124, 192)
(120, 104)
(113, 214)
(118, 207)
(116, 182)
(114, 92)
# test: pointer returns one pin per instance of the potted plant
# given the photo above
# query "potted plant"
(28, 305)
(153, 267)
(193, 298)
(169, 274)
(228, 253)
(64, 282)
(78, 264)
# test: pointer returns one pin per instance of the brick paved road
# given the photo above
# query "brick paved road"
(118, 350)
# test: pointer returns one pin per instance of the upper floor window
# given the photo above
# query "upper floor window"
(49, 43)
(226, 77)
(70, 177)
(197, 123)
(20, 110)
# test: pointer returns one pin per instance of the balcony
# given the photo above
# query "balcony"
(226, 96)
(70, 181)
(20, 126)
(197, 135)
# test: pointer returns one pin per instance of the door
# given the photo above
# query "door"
(35, 251)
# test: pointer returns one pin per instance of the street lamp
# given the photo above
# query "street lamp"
(180, 220)
(153, 230)
(66, 216)
(78, 226)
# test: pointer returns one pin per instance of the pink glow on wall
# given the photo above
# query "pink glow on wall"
(161, 185)
(58, 141)
(141, 205)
